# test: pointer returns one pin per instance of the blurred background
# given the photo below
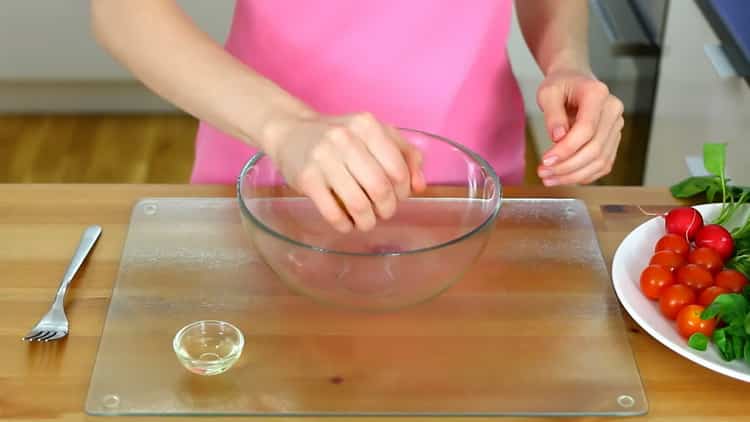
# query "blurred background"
(69, 113)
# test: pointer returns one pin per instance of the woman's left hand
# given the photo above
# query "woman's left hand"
(584, 121)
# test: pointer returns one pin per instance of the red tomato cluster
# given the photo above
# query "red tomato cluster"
(686, 272)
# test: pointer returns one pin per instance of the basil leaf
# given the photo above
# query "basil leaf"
(694, 185)
(746, 293)
(722, 344)
(728, 307)
(738, 344)
(747, 322)
(740, 308)
(698, 341)
(712, 310)
(730, 348)
(714, 158)
(737, 328)
(746, 353)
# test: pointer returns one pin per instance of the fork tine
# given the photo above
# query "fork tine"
(40, 336)
(58, 335)
(48, 336)
(34, 335)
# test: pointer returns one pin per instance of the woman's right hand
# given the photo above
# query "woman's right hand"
(355, 158)
(364, 162)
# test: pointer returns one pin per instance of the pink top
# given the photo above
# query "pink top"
(440, 67)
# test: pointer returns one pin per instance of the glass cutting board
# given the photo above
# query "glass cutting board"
(533, 329)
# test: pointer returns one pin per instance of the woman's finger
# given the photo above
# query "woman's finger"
(597, 167)
(611, 155)
(369, 174)
(384, 149)
(413, 159)
(589, 97)
(315, 187)
(355, 200)
(597, 148)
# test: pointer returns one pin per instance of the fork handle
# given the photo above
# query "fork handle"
(89, 237)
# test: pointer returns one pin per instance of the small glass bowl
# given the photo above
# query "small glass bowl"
(208, 347)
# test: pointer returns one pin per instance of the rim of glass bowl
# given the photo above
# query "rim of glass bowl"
(474, 156)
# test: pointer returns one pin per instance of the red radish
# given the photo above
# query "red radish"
(684, 221)
(717, 238)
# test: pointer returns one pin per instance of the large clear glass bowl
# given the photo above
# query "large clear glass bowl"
(431, 241)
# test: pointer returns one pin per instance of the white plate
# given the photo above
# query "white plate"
(630, 259)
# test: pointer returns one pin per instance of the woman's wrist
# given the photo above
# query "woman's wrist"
(568, 61)
(275, 123)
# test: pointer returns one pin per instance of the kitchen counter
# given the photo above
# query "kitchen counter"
(41, 225)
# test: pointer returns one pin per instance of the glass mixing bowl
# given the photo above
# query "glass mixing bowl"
(426, 247)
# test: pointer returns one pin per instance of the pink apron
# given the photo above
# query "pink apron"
(436, 66)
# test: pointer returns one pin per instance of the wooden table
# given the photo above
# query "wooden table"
(41, 224)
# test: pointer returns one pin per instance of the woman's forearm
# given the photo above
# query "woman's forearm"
(556, 32)
(163, 48)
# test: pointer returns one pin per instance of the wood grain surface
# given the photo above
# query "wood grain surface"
(40, 226)
(96, 148)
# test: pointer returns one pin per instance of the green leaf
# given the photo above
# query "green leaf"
(712, 191)
(734, 192)
(698, 341)
(737, 328)
(738, 346)
(746, 353)
(693, 186)
(714, 158)
(739, 190)
(729, 349)
(742, 245)
(747, 321)
(729, 208)
(746, 294)
(742, 233)
(740, 263)
(722, 344)
(713, 310)
(728, 307)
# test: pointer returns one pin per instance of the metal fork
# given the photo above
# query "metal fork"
(54, 325)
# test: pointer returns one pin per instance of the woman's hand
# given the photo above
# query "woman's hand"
(585, 122)
(356, 159)
(364, 162)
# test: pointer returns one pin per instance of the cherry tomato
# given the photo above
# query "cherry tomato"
(689, 322)
(695, 277)
(706, 258)
(731, 280)
(673, 242)
(674, 298)
(716, 237)
(654, 279)
(707, 296)
(668, 259)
